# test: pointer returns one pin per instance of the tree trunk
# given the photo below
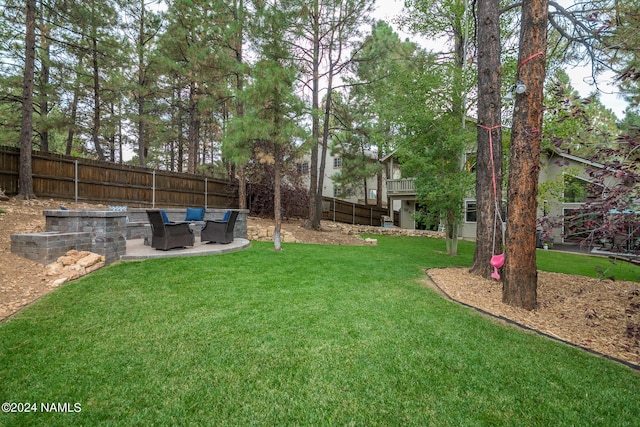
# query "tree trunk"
(72, 121)
(242, 181)
(25, 175)
(379, 180)
(74, 108)
(45, 74)
(180, 125)
(366, 191)
(242, 188)
(95, 134)
(142, 145)
(277, 199)
(520, 273)
(489, 139)
(313, 223)
(194, 129)
(325, 140)
(451, 234)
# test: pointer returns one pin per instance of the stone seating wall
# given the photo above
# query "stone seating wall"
(101, 232)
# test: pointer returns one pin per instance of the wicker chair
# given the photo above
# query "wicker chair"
(165, 236)
(219, 231)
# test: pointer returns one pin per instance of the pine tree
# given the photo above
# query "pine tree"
(269, 126)
(520, 269)
(25, 178)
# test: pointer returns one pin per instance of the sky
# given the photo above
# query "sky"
(580, 76)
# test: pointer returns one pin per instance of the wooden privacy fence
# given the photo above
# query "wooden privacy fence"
(65, 177)
(352, 213)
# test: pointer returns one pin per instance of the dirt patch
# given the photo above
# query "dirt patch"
(600, 315)
(23, 281)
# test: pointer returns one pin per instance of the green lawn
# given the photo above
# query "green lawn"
(312, 335)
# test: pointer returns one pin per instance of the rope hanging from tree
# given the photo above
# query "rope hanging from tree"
(497, 260)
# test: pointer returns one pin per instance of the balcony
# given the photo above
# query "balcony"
(401, 187)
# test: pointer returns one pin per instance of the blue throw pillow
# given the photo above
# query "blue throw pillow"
(165, 218)
(227, 214)
(195, 214)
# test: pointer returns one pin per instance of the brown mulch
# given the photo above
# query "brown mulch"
(595, 314)
(600, 315)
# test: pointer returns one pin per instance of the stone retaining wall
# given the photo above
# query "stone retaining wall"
(262, 233)
(265, 234)
(387, 231)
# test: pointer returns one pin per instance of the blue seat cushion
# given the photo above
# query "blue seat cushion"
(165, 218)
(195, 214)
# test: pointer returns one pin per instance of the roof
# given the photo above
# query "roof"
(578, 159)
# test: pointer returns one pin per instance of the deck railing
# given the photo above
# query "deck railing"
(401, 186)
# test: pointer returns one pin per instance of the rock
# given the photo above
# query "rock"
(90, 259)
(54, 268)
(61, 281)
(74, 264)
(270, 230)
(66, 260)
(94, 267)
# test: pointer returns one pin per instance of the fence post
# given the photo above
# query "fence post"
(353, 214)
(206, 181)
(334, 209)
(76, 180)
(371, 217)
(153, 189)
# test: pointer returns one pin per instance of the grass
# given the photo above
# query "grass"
(314, 335)
(591, 266)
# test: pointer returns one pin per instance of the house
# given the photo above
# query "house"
(401, 195)
(333, 166)
(569, 174)
(563, 177)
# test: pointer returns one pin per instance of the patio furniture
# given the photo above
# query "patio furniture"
(216, 231)
(621, 243)
(168, 236)
(195, 214)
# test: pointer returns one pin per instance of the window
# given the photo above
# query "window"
(337, 162)
(579, 190)
(470, 162)
(373, 194)
(470, 211)
(336, 192)
(303, 168)
(575, 189)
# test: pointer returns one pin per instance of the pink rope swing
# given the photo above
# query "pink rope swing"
(497, 261)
